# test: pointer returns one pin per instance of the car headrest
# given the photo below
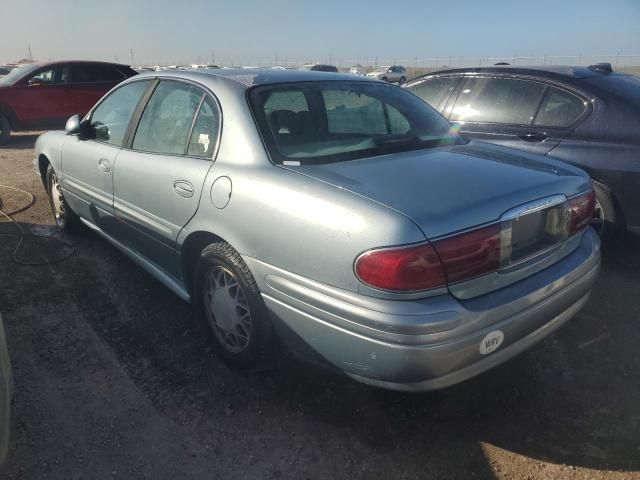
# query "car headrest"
(284, 121)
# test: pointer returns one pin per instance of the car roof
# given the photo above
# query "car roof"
(560, 72)
(93, 62)
(254, 76)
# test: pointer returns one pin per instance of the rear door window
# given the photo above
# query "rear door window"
(434, 91)
(559, 109)
(166, 122)
(497, 100)
(205, 130)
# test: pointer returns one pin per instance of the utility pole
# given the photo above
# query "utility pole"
(213, 57)
(30, 55)
(132, 57)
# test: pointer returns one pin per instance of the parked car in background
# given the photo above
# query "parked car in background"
(6, 393)
(6, 69)
(43, 95)
(357, 70)
(585, 116)
(339, 213)
(391, 74)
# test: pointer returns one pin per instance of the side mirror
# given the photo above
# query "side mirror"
(73, 125)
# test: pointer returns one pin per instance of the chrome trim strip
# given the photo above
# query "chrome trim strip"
(163, 277)
(532, 207)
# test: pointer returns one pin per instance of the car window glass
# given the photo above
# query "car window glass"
(292, 100)
(205, 130)
(348, 112)
(345, 120)
(559, 109)
(167, 118)
(287, 112)
(110, 119)
(497, 100)
(433, 90)
(44, 76)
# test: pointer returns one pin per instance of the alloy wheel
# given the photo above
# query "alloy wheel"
(227, 309)
(57, 200)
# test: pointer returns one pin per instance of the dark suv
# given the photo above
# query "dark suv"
(586, 116)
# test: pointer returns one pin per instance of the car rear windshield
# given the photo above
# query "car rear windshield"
(332, 121)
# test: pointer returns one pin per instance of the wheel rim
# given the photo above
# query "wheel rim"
(598, 221)
(57, 200)
(227, 309)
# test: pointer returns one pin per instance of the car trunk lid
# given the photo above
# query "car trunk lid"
(453, 189)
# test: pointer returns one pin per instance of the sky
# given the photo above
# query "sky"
(246, 32)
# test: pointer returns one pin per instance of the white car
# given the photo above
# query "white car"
(391, 74)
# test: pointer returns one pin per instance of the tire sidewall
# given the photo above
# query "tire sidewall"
(62, 224)
(612, 218)
(261, 330)
(5, 129)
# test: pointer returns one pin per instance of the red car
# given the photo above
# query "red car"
(43, 95)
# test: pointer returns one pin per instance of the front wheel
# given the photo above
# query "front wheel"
(65, 218)
(402, 81)
(230, 301)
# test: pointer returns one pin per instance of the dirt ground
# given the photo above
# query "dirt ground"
(114, 378)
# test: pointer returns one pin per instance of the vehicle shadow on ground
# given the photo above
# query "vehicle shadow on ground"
(21, 141)
(574, 399)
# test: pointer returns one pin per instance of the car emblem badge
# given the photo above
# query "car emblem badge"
(491, 342)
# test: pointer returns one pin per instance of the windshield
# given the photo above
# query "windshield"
(17, 73)
(322, 122)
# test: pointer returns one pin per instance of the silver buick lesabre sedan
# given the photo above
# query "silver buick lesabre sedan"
(341, 215)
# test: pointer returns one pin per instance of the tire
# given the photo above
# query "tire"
(608, 220)
(5, 130)
(65, 218)
(384, 79)
(228, 299)
(402, 81)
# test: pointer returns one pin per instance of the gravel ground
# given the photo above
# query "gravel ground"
(114, 378)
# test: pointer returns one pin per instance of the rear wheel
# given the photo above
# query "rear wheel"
(65, 218)
(5, 129)
(231, 304)
(607, 219)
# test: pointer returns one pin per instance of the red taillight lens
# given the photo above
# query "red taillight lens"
(470, 254)
(582, 209)
(403, 269)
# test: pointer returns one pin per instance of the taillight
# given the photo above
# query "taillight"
(404, 269)
(582, 208)
(470, 254)
(476, 252)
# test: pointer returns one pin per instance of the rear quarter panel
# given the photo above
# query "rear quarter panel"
(299, 224)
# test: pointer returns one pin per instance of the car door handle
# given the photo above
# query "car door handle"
(533, 136)
(183, 188)
(104, 164)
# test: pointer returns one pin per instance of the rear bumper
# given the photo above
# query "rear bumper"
(432, 342)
